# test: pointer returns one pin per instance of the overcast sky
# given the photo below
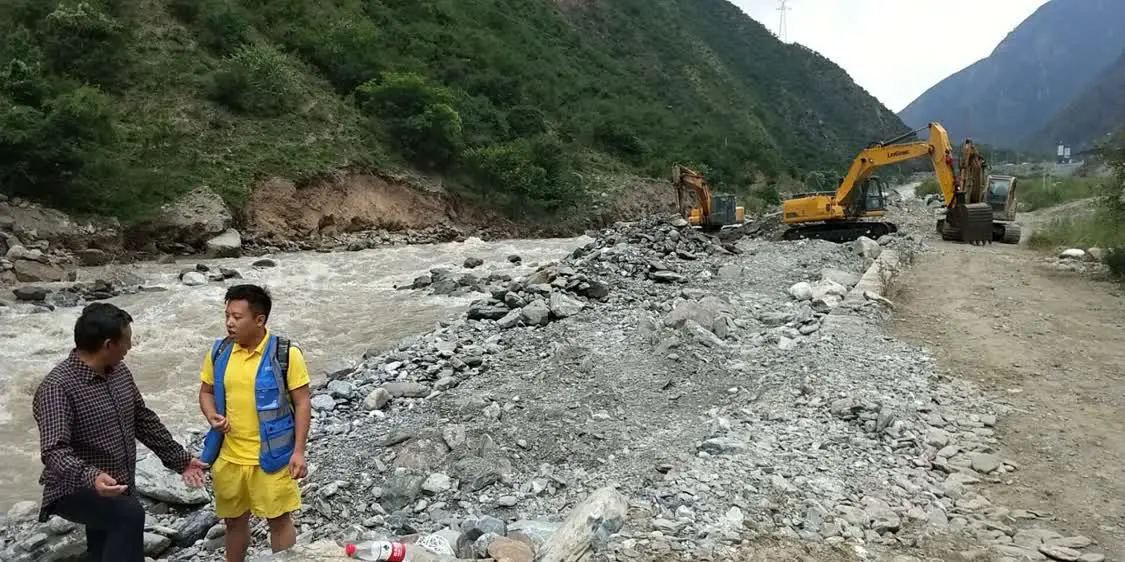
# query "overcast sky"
(887, 45)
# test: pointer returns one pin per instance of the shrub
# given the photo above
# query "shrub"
(256, 80)
(928, 187)
(768, 194)
(47, 152)
(23, 83)
(419, 116)
(529, 174)
(349, 53)
(221, 27)
(621, 140)
(433, 138)
(82, 41)
(400, 95)
(526, 121)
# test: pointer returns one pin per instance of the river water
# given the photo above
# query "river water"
(335, 306)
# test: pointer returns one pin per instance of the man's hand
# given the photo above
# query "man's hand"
(297, 467)
(193, 474)
(219, 422)
(107, 487)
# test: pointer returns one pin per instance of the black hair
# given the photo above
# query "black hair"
(257, 297)
(99, 322)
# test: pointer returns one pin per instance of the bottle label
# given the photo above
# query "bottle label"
(398, 552)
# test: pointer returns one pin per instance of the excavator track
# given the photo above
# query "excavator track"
(839, 231)
(1011, 234)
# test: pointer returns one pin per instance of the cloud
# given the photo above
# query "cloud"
(897, 49)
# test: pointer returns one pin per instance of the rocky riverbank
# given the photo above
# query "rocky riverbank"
(41, 249)
(346, 212)
(733, 393)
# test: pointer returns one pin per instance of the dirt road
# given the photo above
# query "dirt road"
(1051, 345)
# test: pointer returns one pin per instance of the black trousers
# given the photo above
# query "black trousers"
(115, 526)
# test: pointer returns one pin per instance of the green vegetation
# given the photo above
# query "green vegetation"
(1038, 193)
(1104, 227)
(929, 187)
(118, 106)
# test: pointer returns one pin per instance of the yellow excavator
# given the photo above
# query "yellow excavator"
(708, 211)
(841, 215)
(1000, 192)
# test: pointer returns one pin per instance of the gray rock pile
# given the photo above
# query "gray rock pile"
(174, 520)
(658, 250)
(26, 255)
(73, 294)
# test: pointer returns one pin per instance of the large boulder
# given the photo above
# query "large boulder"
(32, 271)
(226, 245)
(161, 484)
(193, 219)
(93, 257)
(866, 247)
(30, 293)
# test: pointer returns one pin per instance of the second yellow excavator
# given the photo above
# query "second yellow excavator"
(708, 211)
(841, 215)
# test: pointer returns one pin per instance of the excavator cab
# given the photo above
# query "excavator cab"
(869, 199)
(1000, 194)
(874, 194)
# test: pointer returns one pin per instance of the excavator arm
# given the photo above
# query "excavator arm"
(872, 159)
(837, 215)
(938, 149)
(710, 211)
(687, 179)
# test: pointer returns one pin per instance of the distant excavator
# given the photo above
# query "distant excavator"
(708, 211)
(841, 215)
(1000, 194)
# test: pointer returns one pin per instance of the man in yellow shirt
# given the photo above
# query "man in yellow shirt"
(258, 431)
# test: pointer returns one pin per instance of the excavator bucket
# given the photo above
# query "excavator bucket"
(969, 222)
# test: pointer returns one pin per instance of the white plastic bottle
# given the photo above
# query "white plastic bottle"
(386, 551)
(381, 551)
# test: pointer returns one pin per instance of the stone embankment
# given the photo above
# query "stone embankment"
(681, 396)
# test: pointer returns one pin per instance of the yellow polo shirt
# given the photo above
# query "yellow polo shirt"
(241, 444)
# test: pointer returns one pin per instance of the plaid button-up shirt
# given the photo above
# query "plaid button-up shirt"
(89, 423)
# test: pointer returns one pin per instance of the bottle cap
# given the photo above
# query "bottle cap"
(350, 549)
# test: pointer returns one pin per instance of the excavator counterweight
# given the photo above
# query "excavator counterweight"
(842, 215)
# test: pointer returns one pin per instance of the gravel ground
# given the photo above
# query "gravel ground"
(695, 375)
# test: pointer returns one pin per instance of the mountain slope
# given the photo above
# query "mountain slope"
(1035, 72)
(1098, 111)
(119, 105)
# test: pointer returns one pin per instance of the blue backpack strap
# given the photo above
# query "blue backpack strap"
(213, 441)
(282, 353)
(219, 347)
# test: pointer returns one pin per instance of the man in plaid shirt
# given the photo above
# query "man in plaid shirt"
(90, 415)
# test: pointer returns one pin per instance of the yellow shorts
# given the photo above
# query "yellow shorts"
(242, 488)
